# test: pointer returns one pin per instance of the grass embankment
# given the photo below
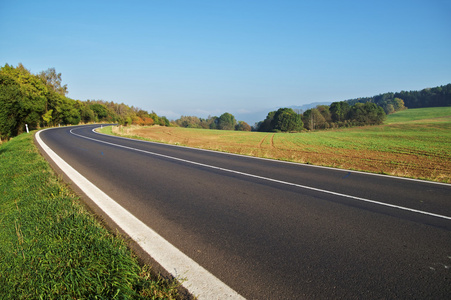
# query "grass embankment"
(51, 247)
(413, 143)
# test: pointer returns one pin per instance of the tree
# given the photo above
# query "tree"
(100, 111)
(155, 118)
(206, 123)
(86, 113)
(188, 122)
(357, 114)
(226, 122)
(67, 112)
(398, 104)
(367, 114)
(213, 121)
(243, 126)
(313, 119)
(164, 121)
(325, 112)
(339, 111)
(22, 100)
(265, 125)
(285, 119)
(53, 81)
(47, 117)
(389, 109)
(10, 97)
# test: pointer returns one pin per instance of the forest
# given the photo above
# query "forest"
(429, 97)
(338, 114)
(39, 100)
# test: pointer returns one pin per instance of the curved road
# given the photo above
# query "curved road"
(275, 230)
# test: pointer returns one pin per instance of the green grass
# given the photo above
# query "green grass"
(52, 248)
(428, 113)
(433, 139)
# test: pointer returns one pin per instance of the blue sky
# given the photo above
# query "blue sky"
(244, 57)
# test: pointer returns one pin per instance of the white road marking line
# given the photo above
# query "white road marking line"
(199, 281)
(272, 180)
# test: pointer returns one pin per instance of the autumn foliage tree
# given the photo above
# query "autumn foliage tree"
(243, 126)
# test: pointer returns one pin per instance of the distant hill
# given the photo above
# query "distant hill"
(429, 97)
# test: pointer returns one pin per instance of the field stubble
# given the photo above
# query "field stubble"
(416, 149)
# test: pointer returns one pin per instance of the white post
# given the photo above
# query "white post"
(26, 126)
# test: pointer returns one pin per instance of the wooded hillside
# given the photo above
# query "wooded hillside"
(39, 100)
(429, 97)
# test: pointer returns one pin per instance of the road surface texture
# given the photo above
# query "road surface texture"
(276, 230)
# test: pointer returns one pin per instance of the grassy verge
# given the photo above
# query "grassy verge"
(414, 143)
(51, 247)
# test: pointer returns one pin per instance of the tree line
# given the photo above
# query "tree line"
(226, 121)
(39, 100)
(429, 97)
(338, 114)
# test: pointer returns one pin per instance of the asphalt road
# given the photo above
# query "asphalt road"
(274, 230)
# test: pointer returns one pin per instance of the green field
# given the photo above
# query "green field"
(52, 248)
(428, 114)
(414, 143)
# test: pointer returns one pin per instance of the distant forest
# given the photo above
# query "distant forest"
(429, 97)
(39, 100)
(338, 114)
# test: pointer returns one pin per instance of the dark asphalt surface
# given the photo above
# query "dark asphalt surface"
(269, 240)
